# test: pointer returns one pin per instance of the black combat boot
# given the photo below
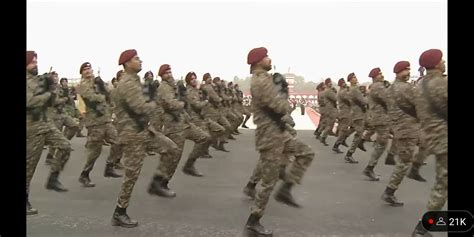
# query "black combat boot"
(336, 149)
(254, 228)
(230, 137)
(49, 159)
(420, 231)
(85, 180)
(414, 173)
(361, 145)
(110, 172)
(390, 160)
(284, 195)
(221, 147)
(388, 196)
(189, 169)
(282, 174)
(54, 184)
(29, 209)
(120, 218)
(159, 186)
(369, 172)
(348, 158)
(323, 141)
(344, 143)
(250, 191)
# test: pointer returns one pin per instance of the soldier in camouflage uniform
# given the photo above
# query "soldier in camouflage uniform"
(379, 119)
(273, 139)
(344, 117)
(405, 127)
(235, 108)
(41, 92)
(177, 127)
(98, 121)
(359, 107)
(133, 113)
(60, 118)
(330, 101)
(213, 112)
(432, 109)
(322, 111)
(117, 164)
(221, 90)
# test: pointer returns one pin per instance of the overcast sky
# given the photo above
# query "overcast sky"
(314, 39)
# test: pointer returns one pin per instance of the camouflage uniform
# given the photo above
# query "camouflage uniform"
(40, 132)
(359, 106)
(272, 142)
(98, 122)
(345, 116)
(213, 112)
(178, 128)
(405, 128)
(330, 101)
(132, 112)
(379, 119)
(322, 112)
(432, 105)
(61, 118)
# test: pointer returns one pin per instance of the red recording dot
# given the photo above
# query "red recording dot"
(430, 221)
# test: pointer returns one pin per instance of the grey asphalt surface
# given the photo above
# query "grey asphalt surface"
(337, 199)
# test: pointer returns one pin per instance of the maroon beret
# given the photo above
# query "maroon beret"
(205, 76)
(340, 82)
(163, 69)
(430, 58)
(29, 56)
(400, 66)
(350, 76)
(147, 73)
(327, 81)
(86, 64)
(256, 54)
(374, 72)
(126, 55)
(188, 77)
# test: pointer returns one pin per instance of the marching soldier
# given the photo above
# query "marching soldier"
(241, 105)
(133, 113)
(344, 128)
(432, 109)
(273, 139)
(41, 92)
(379, 119)
(98, 121)
(359, 107)
(60, 118)
(405, 127)
(322, 111)
(330, 101)
(213, 112)
(177, 128)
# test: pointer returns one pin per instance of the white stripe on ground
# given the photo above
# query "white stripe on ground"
(302, 122)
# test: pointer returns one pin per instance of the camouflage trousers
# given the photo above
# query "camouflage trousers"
(169, 162)
(133, 147)
(405, 149)
(224, 122)
(380, 143)
(329, 125)
(439, 193)
(234, 120)
(95, 140)
(268, 169)
(344, 129)
(358, 126)
(215, 131)
(322, 123)
(34, 147)
(71, 128)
